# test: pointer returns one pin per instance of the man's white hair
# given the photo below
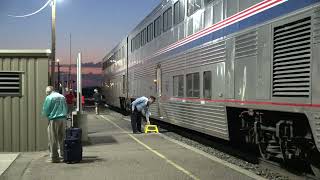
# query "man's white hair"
(49, 90)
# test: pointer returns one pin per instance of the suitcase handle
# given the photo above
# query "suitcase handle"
(70, 119)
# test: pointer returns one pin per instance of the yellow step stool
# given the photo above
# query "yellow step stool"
(151, 128)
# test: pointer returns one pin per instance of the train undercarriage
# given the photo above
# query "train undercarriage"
(282, 136)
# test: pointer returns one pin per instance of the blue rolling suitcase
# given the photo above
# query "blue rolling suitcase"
(72, 145)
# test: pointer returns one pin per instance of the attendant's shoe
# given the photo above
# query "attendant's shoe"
(53, 161)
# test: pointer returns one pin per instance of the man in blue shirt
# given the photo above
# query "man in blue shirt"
(139, 105)
(55, 109)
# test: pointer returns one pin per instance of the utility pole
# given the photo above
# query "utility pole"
(53, 41)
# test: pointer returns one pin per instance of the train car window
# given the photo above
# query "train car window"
(218, 11)
(206, 2)
(138, 40)
(123, 84)
(150, 32)
(207, 84)
(132, 45)
(232, 7)
(182, 11)
(181, 86)
(193, 85)
(193, 6)
(196, 85)
(167, 19)
(189, 85)
(143, 37)
(176, 13)
(157, 27)
(123, 52)
(178, 85)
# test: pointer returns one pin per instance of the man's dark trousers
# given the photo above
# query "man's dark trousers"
(136, 121)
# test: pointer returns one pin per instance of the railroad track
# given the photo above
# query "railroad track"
(291, 173)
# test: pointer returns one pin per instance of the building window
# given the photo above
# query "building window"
(193, 6)
(150, 32)
(10, 84)
(167, 19)
(178, 12)
(207, 75)
(178, 86)
(193, 85)
(157, 27)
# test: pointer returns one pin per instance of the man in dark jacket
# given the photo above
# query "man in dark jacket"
(97, 100)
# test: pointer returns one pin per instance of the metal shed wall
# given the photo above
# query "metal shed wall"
(22, 127)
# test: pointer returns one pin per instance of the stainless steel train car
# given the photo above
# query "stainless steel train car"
(242, 70)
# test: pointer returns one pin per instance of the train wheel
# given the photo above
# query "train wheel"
(315, 162)
(316, 170)
(263, 150)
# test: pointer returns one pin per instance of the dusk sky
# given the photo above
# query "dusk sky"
(96, 25)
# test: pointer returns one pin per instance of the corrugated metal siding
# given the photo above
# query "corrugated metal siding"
(207, 118)
(22, 128)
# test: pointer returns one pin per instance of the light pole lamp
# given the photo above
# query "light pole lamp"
(53, 33)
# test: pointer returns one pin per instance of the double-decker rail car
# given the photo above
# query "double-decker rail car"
(241, 70)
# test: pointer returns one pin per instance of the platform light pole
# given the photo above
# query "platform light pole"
(69, 77)
(58, 63)
(53, 40)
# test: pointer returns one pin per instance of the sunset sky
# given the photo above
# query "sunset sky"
(96, 25)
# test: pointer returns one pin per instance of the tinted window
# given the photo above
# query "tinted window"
(193, 85)
(150, 32)
(167, 19)
(157, 27)
(143, 36)
(178, 85)
(206, 2)
(193, 6)
(207, 84)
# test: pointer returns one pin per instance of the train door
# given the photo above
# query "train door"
(159, 85)
(159, 91)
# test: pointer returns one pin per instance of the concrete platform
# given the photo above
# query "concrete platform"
(6, 160)
(116, 153)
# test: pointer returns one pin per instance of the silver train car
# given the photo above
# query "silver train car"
(241, 70)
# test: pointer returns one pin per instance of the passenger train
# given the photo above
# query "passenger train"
(241, 70)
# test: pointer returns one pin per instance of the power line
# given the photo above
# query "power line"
(36, 12)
